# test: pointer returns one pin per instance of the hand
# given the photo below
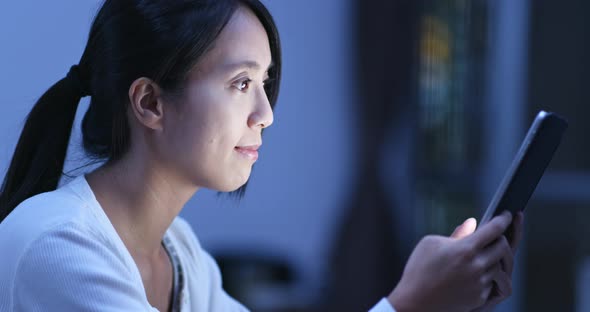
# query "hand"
(504, 286)
(456, 273)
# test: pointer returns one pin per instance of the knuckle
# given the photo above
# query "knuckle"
(423, 241)
(484, 280)
(427, 241)
(479, 266)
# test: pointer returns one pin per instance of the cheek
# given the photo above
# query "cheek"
(201, 138)
(217, 117)
(211, 128)
(199, 132)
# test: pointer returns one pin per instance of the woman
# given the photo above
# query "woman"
(180, 93)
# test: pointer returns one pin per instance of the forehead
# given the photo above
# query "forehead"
(243, 40)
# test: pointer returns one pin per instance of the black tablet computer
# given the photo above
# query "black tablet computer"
(528, 167)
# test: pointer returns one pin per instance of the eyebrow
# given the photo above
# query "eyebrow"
(245, 64)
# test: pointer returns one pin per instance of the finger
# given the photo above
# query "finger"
(490, 231)
(490, 304)
(465, 229)
(498, 252)
(495, 285)
(503, 284)
(486, 280)
(486, 293)
(507, 260)
(506, 255)
(517, 231)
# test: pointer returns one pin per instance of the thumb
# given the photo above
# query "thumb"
(465, 229)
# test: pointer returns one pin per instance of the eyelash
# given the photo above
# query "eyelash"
(238, 84)
(247, 81)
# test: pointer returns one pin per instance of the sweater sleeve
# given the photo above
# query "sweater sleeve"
(68, 269)
(383, 306)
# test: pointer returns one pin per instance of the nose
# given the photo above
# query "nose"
(262, 116)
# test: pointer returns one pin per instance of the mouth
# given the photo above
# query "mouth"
(250, 151)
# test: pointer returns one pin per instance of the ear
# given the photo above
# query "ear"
(146, 103)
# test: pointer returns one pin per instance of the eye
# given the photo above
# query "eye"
(243, 85)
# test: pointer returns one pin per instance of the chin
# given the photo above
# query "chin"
(227, 180)
(233, 185)
(229, 189)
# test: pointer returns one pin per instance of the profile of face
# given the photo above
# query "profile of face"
(210, 134)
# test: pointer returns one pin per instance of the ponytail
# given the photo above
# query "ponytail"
(38, 160)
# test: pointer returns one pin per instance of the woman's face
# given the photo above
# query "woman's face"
(212, 134)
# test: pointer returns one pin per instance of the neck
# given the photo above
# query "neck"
(141, 201)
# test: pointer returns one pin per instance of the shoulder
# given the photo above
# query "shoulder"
(58, 256)
(45, 210)
(35, 217)
(47, 213)
(70, 268)
(66, 247)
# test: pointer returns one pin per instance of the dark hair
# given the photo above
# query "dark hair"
(158, 39)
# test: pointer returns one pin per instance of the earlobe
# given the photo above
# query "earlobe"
(145, 102)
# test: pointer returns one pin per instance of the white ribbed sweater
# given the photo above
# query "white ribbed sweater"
(60, 252)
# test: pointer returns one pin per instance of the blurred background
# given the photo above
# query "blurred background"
(396, 119)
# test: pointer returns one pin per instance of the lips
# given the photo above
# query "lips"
(249, 151)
